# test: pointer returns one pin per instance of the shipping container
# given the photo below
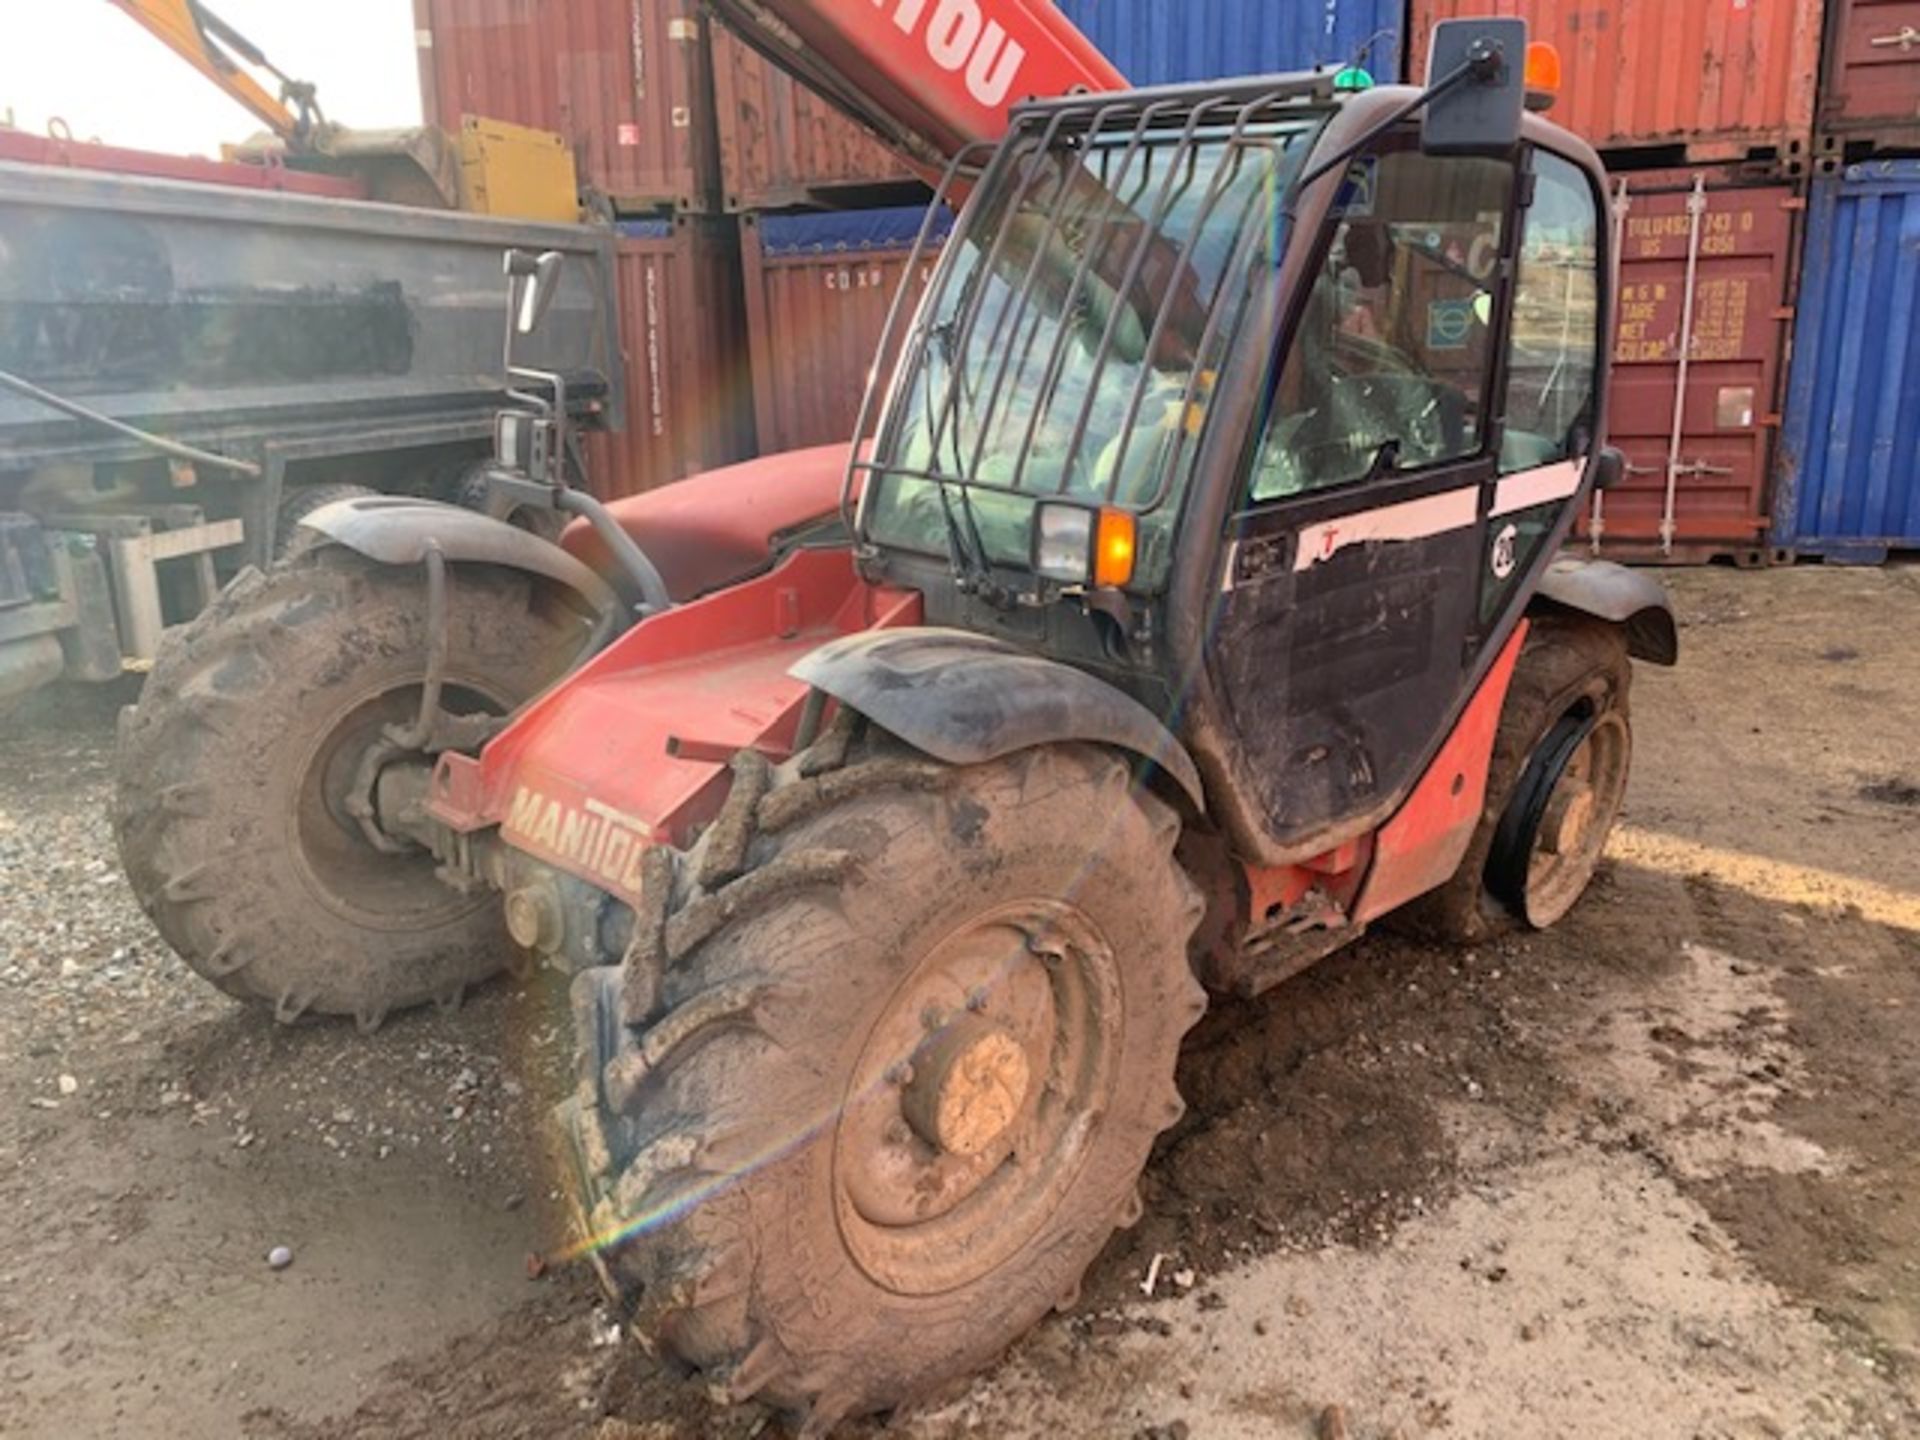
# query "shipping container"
(1705, 81)
(781, 145)
(1850, 455)
(625, 82)
(818, 291)
(1706, 280)
(688, 399)
(1154, 43)
(1872, 91)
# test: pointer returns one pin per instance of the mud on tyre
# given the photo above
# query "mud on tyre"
(1566, 714)
(230, 773)
(892, 1086)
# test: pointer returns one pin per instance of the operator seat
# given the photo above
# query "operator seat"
(719, 527)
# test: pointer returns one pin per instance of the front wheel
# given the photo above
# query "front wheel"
(900, 1078)
(236, 776)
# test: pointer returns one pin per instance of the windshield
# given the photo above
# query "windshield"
(1070, 344)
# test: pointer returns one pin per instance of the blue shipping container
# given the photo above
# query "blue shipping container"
(1849, 473)
(1163, 42)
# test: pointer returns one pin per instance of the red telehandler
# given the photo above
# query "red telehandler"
(1195, 604)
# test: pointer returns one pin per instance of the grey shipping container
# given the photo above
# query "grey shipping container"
(1849, 475)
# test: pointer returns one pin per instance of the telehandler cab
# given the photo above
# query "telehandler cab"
(1195, 604)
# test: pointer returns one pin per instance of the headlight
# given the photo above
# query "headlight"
(1077, 546)
(1063, 543)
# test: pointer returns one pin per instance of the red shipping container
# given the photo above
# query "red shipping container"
(1698, 431)
(1715, 80)
(689, 406)
(1872, 90)
(819, 288)
(626, 82)
(781, 144)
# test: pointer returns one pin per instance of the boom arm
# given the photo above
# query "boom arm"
(217, 51)
(931, 76)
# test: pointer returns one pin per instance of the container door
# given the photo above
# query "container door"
(1873, 69)
(1350, 615)
(1705, 272)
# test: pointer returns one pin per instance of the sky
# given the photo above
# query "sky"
(88, 64)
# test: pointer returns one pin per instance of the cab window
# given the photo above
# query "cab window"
(1390, 367)
(1556, 321)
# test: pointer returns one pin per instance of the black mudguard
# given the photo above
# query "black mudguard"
(396, 530)
(1628, 598)
(967, 699)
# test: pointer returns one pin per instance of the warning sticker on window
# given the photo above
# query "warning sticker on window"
(1449, 324)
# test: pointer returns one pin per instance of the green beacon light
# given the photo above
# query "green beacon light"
(1352, 80)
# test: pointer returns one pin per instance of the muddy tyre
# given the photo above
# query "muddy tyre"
(229, 776)
(912, 1044)
(1558, 776)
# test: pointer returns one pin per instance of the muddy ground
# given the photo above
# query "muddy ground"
(1653, 1174)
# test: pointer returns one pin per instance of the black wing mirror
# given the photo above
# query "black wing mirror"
(1477, 78)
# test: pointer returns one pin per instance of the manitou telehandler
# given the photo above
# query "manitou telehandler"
(1194, 604)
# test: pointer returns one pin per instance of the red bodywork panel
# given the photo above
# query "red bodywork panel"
(631, 750)
(948, 71)
(1422, 846)
(718, 527)
(17, 145)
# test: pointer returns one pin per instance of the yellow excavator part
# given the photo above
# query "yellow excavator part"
(489, 168)
(512, 170)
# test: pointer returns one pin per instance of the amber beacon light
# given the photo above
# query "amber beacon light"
(1543, 76)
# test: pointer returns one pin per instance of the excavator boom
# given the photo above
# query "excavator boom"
(217, 51)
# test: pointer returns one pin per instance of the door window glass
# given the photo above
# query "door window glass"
(1556, 322)
(1390, 367)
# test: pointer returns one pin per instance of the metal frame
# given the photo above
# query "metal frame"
(1132, 124)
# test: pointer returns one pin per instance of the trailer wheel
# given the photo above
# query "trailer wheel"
(1554, 789)
(913, 1040)
(234, 775)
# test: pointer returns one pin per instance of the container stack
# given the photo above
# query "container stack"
(827, 217)
(1704, 114)
(1849, 464)
(629, 85)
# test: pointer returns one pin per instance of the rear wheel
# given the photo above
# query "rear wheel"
(900, 1078)
(237, 772)
(1554, 788)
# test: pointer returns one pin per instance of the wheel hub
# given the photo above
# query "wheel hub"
(1563, 829)
(976, 1095)
(968, 1089)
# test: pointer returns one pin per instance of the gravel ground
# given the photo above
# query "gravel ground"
(1648, 1175)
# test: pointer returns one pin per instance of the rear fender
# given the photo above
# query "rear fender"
(968, 699)
(1629, 598)
(398, 530)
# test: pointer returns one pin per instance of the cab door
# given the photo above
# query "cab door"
(1350, 610)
